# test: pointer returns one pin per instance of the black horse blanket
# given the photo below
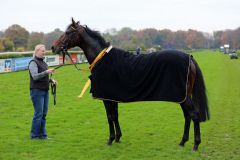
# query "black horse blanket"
(123, 77)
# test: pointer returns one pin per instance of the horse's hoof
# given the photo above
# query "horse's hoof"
(195, 148)
(109, 142)
(181, 144)
(117, 140)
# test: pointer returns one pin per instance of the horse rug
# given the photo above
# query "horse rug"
(124, 77)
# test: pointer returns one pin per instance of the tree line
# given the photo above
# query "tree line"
(17, 38)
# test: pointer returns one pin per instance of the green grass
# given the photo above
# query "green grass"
(151, 130)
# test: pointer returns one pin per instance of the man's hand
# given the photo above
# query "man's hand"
(50, 71)
(53, 81)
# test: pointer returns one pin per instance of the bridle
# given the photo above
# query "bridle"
(64, 53)
(64, 47)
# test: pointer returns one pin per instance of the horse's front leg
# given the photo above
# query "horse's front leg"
(116, 122)
(109, 107)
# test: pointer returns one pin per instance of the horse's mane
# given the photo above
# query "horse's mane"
(97, 35)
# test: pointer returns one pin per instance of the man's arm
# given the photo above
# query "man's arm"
(34, 71)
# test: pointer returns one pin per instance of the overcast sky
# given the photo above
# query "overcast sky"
(46, 15)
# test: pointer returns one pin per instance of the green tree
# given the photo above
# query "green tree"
(1, 46)
(217, 39)
(167, 36)
(180, 39)
(226, 37)
(195, 39)
(148, 37)
(51, 37)
(18, 35)
(236, 39)
(34, 39)
(1, 34)
(8, 45)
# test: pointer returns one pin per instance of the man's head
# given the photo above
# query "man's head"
(39, 50)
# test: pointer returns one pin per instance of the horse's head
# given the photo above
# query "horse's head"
(69, 39)
(91, 42)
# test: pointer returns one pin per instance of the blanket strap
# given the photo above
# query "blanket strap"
(84, 88)
(99, 56)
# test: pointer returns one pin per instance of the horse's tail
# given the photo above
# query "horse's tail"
(199, 96)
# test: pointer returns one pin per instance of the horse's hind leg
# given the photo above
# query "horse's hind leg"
(197, 136)
(109, 110)
(116, 122)
(193, 114)
(185, 137)
(190, 112)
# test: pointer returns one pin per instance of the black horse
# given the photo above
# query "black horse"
(119, 76)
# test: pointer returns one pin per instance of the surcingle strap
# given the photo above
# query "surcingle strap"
(99, 56)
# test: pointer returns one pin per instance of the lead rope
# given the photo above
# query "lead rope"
(53, 91)
(54, 86)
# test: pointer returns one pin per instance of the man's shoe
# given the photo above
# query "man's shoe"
(45, 138)
(35, 138)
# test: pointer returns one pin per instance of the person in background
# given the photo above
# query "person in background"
(39, 86)
(138, 50)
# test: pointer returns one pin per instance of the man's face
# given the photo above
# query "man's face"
(41, 52)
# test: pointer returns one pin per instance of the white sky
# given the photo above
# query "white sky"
(46, 15)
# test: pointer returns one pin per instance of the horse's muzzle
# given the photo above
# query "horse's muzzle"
(57, 50)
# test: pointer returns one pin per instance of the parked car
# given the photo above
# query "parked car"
(233, 54)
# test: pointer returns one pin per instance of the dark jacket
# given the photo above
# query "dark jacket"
(42, 83)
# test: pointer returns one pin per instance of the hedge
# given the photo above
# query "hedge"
(6, 55)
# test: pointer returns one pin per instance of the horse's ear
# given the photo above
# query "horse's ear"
(73, 22)
(78, 22)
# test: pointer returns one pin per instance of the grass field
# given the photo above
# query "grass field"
(151, 130)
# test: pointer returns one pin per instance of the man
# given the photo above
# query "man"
(138, 50)
(39, 86)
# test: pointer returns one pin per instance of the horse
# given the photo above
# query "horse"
(194, 102)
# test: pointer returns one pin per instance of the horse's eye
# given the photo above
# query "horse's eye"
(69, 32)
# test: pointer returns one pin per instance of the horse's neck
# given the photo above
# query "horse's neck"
(90, 55)
(91, 49)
